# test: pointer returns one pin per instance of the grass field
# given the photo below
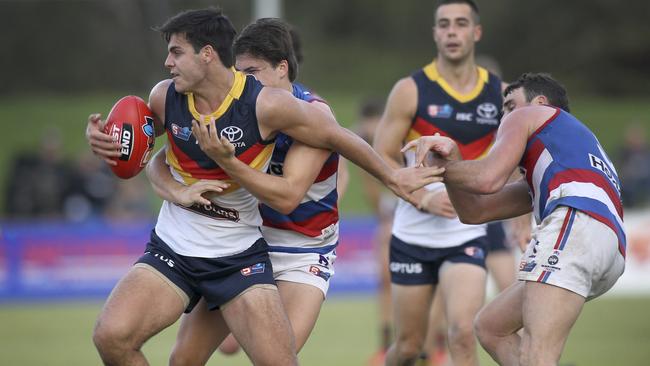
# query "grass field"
(611, 331)
(26, 120)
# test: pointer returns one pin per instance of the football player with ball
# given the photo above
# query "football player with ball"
(216, 251)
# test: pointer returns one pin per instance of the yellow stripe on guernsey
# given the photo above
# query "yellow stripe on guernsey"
(259, 163)
(432, 73)
(412, 135)
(234, 93)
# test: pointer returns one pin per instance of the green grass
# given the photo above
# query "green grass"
(28, 120)
(610, 331)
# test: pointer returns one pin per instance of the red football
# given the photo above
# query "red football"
(130, 122)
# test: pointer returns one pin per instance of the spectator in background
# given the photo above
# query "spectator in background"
(131, 201)
(634, 166)
(94, 186)
(39, 182)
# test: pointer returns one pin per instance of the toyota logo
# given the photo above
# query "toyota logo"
(232, 133)
(487, 110)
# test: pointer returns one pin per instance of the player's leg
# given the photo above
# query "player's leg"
(229, 346)
(303, 281)
(549, 312)
(496, 325)
(199, 334)
(260, 325)
(413, 275)
(501, 265)
(500, 260)
(463, 287)
(435, 347)
(411, 304)
(142, 304)
(302, 303)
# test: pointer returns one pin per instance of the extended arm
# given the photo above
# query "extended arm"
(511, 201)
(278, 110)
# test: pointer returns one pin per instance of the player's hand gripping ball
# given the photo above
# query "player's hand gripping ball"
(130, 122)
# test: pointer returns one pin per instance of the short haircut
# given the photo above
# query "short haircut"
(472, 4)
(269, 39)
(202, 28)
(535, 84)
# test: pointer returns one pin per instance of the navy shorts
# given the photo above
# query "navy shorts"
(496, 237)
(416, 265)
(218, 280)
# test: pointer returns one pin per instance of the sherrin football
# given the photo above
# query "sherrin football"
(130, 122)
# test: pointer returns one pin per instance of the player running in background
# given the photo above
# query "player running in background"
(216, 251)
(431, 250)
(578, 248)
(299, 204)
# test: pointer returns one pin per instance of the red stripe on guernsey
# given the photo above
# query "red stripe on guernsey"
(469, 151)
(540, 128)
(330, 168)
(587, 176)
(530, 160)
(621, 247)
(192, 167)
(541, 276)
(312, 227)
(563, 229)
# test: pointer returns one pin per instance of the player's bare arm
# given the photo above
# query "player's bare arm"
(511, 201)
(103, 144)
(167, 188)
(391, 132)
(483, 176)
(278, 110)
(301, 167)
(396, 122)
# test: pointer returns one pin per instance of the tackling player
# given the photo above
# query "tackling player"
(578, 248)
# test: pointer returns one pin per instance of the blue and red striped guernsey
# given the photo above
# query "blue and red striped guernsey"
(235, 119)
(470, 119)
(319, 209)
(565, 165)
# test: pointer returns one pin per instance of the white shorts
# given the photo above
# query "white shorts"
(309, 268)
(574, 251)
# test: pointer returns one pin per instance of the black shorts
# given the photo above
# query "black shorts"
(496, 237)
(416, 265)
(218, 280)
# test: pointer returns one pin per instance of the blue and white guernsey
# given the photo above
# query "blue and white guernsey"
(313, 226)
(566, 166)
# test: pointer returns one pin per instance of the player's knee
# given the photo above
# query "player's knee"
(461, 335)
(112, 338)
(482, 331)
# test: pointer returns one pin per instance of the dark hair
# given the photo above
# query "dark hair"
(268, 39)
(297, 45)
(201, 28)
(472, 4)
(535, 84)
